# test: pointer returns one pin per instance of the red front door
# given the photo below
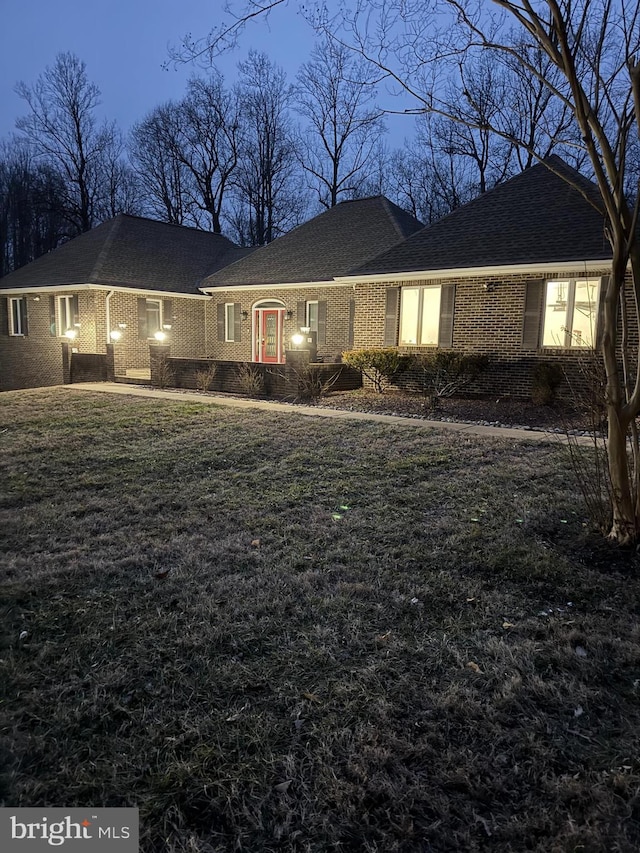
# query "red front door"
(269, 343)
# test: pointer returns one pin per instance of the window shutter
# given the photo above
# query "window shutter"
(391, 316)
(167, 312)
(447, 304)
(532, 315)
(604, 283)
(142, 319)
(4, 317)
(52, 316)
(322, 322)
(220, 320)
(75, 309)
(352, 316)
(24, 319)
(301, 314)
(237, 322)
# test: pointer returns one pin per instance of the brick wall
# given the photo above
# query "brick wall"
(488, 318)
(279, 380)
(186, 336)
(337, 328)
(35, 360)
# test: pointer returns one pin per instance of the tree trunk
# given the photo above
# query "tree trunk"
(624, 527)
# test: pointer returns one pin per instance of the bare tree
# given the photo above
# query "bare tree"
(268, 191)
(345, 126)
(207, 144)
(31, 194)
(63, 130)
(162, 177)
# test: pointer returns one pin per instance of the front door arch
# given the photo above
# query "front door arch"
(268, 331)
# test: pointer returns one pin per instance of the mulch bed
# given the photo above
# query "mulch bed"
(495, 411)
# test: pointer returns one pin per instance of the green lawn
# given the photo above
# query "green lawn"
(277, 633)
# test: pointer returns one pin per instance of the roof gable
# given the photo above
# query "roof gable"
(536, 217)
(129, 251)
(324, 247)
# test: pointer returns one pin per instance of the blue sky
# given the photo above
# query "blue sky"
(124, 44)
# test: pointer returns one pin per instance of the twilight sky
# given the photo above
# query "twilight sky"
(124, 44)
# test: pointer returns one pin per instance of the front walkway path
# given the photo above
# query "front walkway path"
(321, 412)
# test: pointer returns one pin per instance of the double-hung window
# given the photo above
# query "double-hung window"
(229, 321)
(311, 318)
(570, 313)
(154, 317)
(420, 316)
(17, 316)
(67, 312)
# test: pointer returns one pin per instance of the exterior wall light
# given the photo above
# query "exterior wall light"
(289, 315)
(160, 336)
(115, 334)
(245, 315)
(71, 334)
(297, 340)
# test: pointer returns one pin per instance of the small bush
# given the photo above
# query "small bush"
(313, 384)
(380, 366)
(164, 377)
(251, 380)
(204, 378)
(445, 374)
(546, 381)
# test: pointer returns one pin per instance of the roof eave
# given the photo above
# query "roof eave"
(54, 288)
(471, 272)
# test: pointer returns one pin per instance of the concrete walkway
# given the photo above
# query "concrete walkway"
(322, 412)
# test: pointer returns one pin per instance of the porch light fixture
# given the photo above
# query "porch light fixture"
(489, 286)
(71, 334)
(297, 339)
(245, 315)
(160, 336)
(115, 334)
(289, 315)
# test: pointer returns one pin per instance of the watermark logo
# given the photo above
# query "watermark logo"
(32, 830)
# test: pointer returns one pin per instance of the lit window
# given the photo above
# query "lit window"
(570, 313)
(67, 313)
(229, 321)
(154, 317)
(420, 316)
(312, 316)
(18, 316)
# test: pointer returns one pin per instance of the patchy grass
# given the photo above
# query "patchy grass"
(276, 633)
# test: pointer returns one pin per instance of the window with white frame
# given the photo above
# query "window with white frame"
(420, 315)
(154, 317)
(570, 313)
(17, 316)
(66, 313)
(311, 318)
(229, 321)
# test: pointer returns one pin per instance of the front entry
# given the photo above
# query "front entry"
(268, 335)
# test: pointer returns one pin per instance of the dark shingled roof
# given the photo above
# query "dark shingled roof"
(328, 245)
(536, 217)
(129, 251)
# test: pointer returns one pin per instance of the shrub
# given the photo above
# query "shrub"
(445, 374)
(163, 374)
(546, 381)
(314, 383)
(380, 366)
(205, 377)
(250, 380)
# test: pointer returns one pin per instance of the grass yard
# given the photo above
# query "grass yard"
(279, 633)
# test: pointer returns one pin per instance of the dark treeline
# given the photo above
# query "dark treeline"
(250, 160)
